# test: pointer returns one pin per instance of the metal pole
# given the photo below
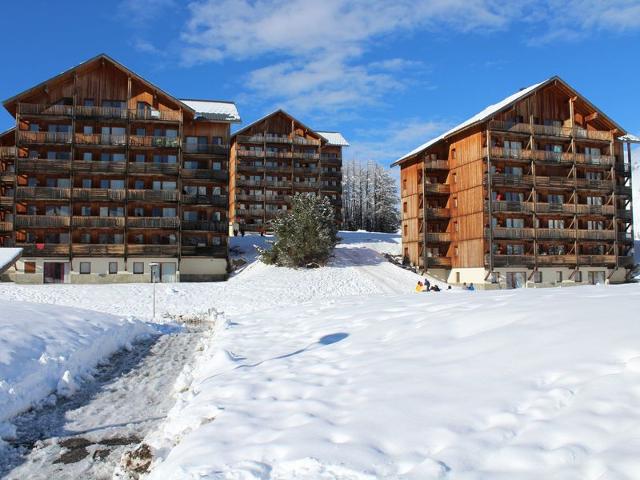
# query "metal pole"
(154, 298)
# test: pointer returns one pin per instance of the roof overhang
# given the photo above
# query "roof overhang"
(280, 112)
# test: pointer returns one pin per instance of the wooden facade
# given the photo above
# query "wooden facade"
(544, 181)
(102, 163)
(274, 158)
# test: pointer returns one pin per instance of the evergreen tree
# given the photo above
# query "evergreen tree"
(305, 236)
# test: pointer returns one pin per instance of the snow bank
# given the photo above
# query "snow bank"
(47, 349)
(471, 385)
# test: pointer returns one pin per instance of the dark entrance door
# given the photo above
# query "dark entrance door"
(53, 272)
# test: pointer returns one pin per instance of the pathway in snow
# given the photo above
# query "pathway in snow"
(85, 436)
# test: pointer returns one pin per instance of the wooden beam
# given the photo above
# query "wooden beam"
(592, 117)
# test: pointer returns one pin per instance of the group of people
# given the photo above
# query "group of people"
(427, 287)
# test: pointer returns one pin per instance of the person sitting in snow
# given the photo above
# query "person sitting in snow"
(420, 287)
(435, 288)
(471, 288)
(427, 283)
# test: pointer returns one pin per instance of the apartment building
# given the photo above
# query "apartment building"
(276, 157)
(104, 173)
(532, 191)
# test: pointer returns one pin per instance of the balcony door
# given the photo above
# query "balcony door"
(56, 272)
(168, 272)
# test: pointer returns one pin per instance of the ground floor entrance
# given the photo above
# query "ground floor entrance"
(56, 272)
(516, 279)
(596, 278)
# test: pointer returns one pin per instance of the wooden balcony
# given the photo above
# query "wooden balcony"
(510, 207)
(550, 130)
(511, 260)
(554, 182)
(42, 221)
(204, 174)
(437, 237)
(150, 168)
(6, 227)
(306, 171)
(257, 139)
(44, 138)
(43, 193)
(327, 159)
(44, 249)
(505, 180)
(7, 177)
(153, 222)
(204, 149)
(140, 141)
(309, 186)
(437, 262)
(596, 259)
(211, 251)
(86, 166)
(582, 209)
(555, 233)
(556, 259)
(588, 184)
(242, 182)
(97, 250)
(305, 155)
(97, 222)
(42, 165)
(153, 195)
(152, 250)
(440, 188)
(205, 225)
(6, 201)
(106, 113)
(435, 212)
(37, 109)
(98, 139)
(7, 153)
(250, 212)
(277, 183)
(209, 200)
(150, 114)
(512, 233)
(603, 160)
(582, 133)
(330, 188)
(326, 174)
(436, 164)
(596, 234)
(99, 194)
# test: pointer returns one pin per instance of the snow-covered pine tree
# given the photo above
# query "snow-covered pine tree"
(305, 236)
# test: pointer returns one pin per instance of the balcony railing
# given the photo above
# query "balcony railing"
(589, 184)
(556, 233)
(153, 195)
(204, 149)
(277, 183)
(214, 200)
(250, 212)
(7, 153)
(87, 166)
(100, 139)
(306, 155)
(550, 130)
(568, 259)
(306, 171)
(436, 164)
(156, 142)
(45, 110)
(605, 160)
(328, 174)
(501, 180)
(44, 221)
(437, 237)
(437, 188)
(153, 250)
(92, 250)
(437, 212)
(435, 262)
(211, 251)
(596, 259)
(243, 182)
(99, 194)
(6, 226)
(517, 207)
(555, 208)
(153, 168)
(111, 113)
(204, 173)
(153, 114)
(311, 185)
(511, 233)
(44, 249)
(551, 157)
(205, 225)
(98, 222)
(60, 138)
(43, 193)
(25, 165)
(6, 201)
(511, 260)
(153, 222)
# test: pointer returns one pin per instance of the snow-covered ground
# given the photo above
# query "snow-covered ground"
(344, 372)
(45, 350)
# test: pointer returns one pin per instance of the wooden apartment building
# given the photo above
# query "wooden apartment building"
(276, 157)
(105, 173)
(534, 190)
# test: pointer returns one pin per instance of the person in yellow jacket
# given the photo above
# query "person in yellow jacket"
(420, 287)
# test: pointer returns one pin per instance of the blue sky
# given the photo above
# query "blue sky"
(388, 74)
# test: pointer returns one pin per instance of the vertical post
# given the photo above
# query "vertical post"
(490, 191)
(612, 152)
(425, 266)
(154, 271)
(126, 173)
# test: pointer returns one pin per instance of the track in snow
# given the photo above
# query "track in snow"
(85, 436)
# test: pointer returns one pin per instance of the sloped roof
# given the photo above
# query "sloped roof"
(214, 109)
(495, 108)
(9, 256)
(629, 138)
(334, 138)
(275, 112)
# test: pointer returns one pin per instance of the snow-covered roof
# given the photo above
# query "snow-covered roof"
(484, 114)
(629, 138)
(8, 257)
(334, 138)
(214, 110)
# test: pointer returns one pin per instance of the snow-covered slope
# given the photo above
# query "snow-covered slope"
(522, 384)
(45, 349)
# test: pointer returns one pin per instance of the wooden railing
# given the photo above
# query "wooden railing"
(309, 185)
(550, 130)
(511, 260)
(306, 155)
(511, 233)
(215, 200)
(596, 259)
(99, 166)
(7, 153)
(437, 237)
(436, 164)
(98, 222)
(437, 262)
(204, 173)
(153, 250)
(210, 251)
(6, 201)
(157, 142)
(153, 222)
(205, 225)
(42, 165)
(26, 136)
(44, 249)
(92, 250)
(501, 180)
(113, 113)
(42, 221)
(42, 109)
(568, 259)
(250, 212)
(306, 171)
(153, 114)
(84, 111)
(100, 139)
(99, 194)
(556, 233)
(154, 195)
(551, 157)
(437, 212)
(504, 206)
(204, 149)
(153, 168)
(43, 193)
(6, 226)
(436, 188)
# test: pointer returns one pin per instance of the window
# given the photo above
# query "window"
(113, 268)
(537, 277)
(139, 157)
(404, 184)
(404, 207)
(87, 130)
(457, 277)
(29, 267)
(406, 230)
(138, 267)
(558, 277)
(89, 102)
(87, 156)
(577, 277)
(85, 267)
